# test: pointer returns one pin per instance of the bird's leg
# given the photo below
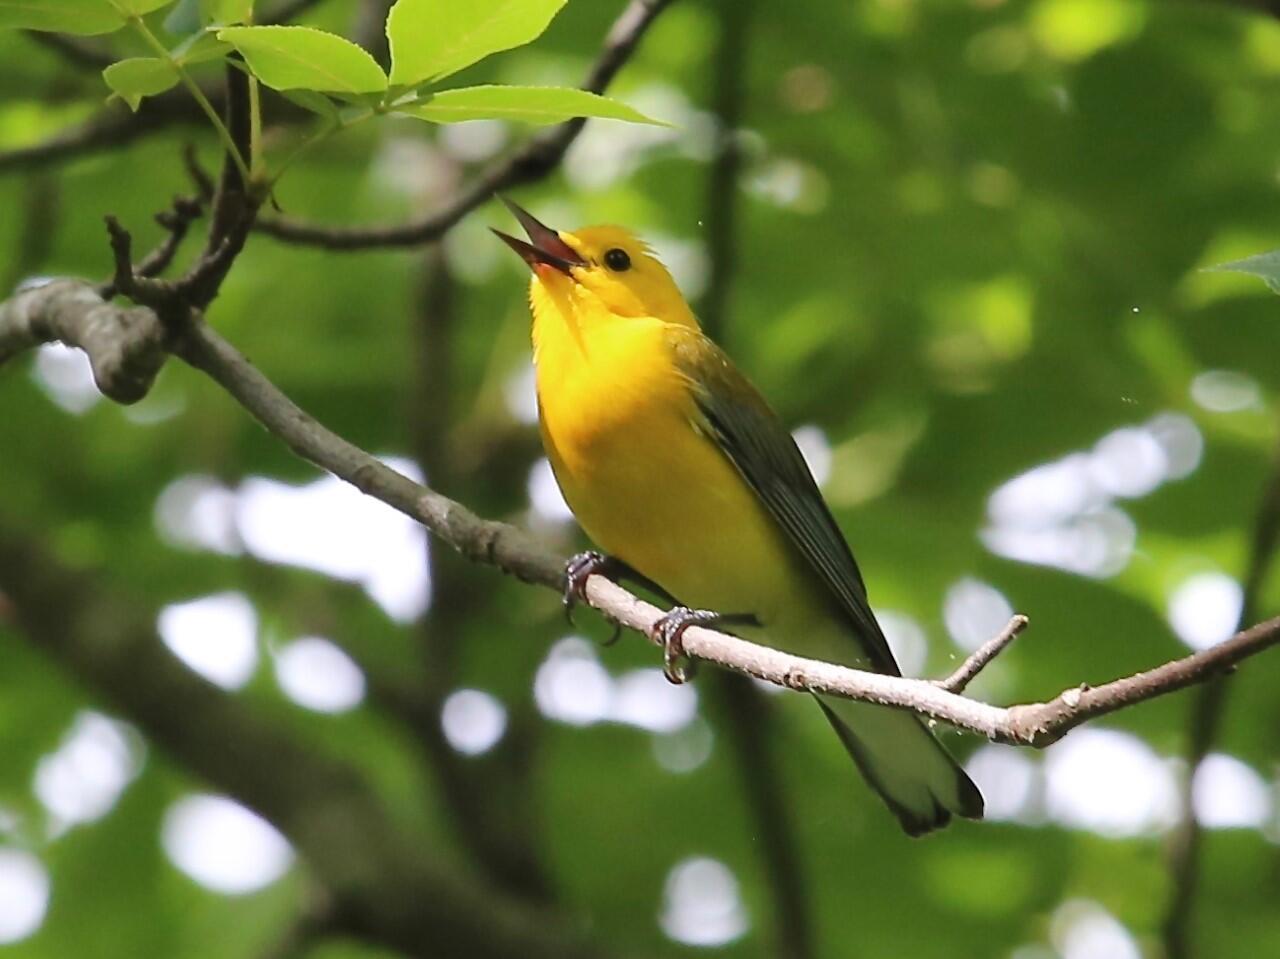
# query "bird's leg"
(581, 567)
(669, 633)
(594, 563)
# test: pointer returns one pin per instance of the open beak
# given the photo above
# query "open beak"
(546, 248)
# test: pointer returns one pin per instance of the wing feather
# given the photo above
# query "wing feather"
(733, 413)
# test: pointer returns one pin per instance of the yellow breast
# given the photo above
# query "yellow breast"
(617, 420)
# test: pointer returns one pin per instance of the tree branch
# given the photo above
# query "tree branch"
(114, 126)
(1206, 719)
(515, 552)
(125, 346)
(984, 654)
(491, 798)
(722, 186)
(1030, 724)
(753, 741)
(386, 884)
(176, 222)
(534, 161)
(743, 716)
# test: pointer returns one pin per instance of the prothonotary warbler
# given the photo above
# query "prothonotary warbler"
(679, 471)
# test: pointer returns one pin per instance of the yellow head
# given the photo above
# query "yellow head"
(596, 274)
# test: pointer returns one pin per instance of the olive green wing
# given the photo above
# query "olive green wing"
(733, 413)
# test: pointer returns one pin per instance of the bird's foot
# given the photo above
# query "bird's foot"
(669, 633)
(578, 570)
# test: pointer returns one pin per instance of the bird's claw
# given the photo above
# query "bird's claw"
(615, 635)
(577, 571)
(668, 632)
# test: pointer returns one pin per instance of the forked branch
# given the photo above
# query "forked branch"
(512, 550)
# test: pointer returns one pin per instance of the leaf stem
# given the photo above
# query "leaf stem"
(255, 129)
(330, 128)
(194, 89)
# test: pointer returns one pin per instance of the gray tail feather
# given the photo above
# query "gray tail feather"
(906, 766)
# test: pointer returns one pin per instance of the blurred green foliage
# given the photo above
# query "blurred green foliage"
(971, 242)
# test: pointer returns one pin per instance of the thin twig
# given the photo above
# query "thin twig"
(128, 280)
(132, 280)
(235, 205)
(980, 657)
(200, 178)
(512, 550)
(232, 197)
(534, 161)
(176, 221)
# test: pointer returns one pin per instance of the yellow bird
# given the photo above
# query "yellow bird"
(679, 471)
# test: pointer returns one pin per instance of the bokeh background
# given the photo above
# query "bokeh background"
(961, 246)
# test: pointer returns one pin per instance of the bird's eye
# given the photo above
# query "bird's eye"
(617, 260)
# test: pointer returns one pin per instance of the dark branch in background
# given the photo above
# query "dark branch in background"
(386, 885)
(491, 797)
(752, 738)
(722, 188)
(114, 126)
(369, 29)
(1034, 724)
(289, 11)
(313, 923)
(81, 54)
(231, 204)
(514, 551)
(742, 708)
(532, 162)
(1207, 712)
(379, 882)
(38, 214)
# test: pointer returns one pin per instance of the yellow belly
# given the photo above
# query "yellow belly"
(646, 486)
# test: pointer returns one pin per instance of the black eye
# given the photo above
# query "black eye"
(617, 260)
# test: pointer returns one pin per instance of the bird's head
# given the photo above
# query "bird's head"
(599, 270)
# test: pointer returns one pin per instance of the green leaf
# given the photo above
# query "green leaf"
(538, 105)
(226, 11)
(431, 39)
(315, 102)
(1264, 265)
(140, 77)
(302, 58)
(81, 17)
(200, 48)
